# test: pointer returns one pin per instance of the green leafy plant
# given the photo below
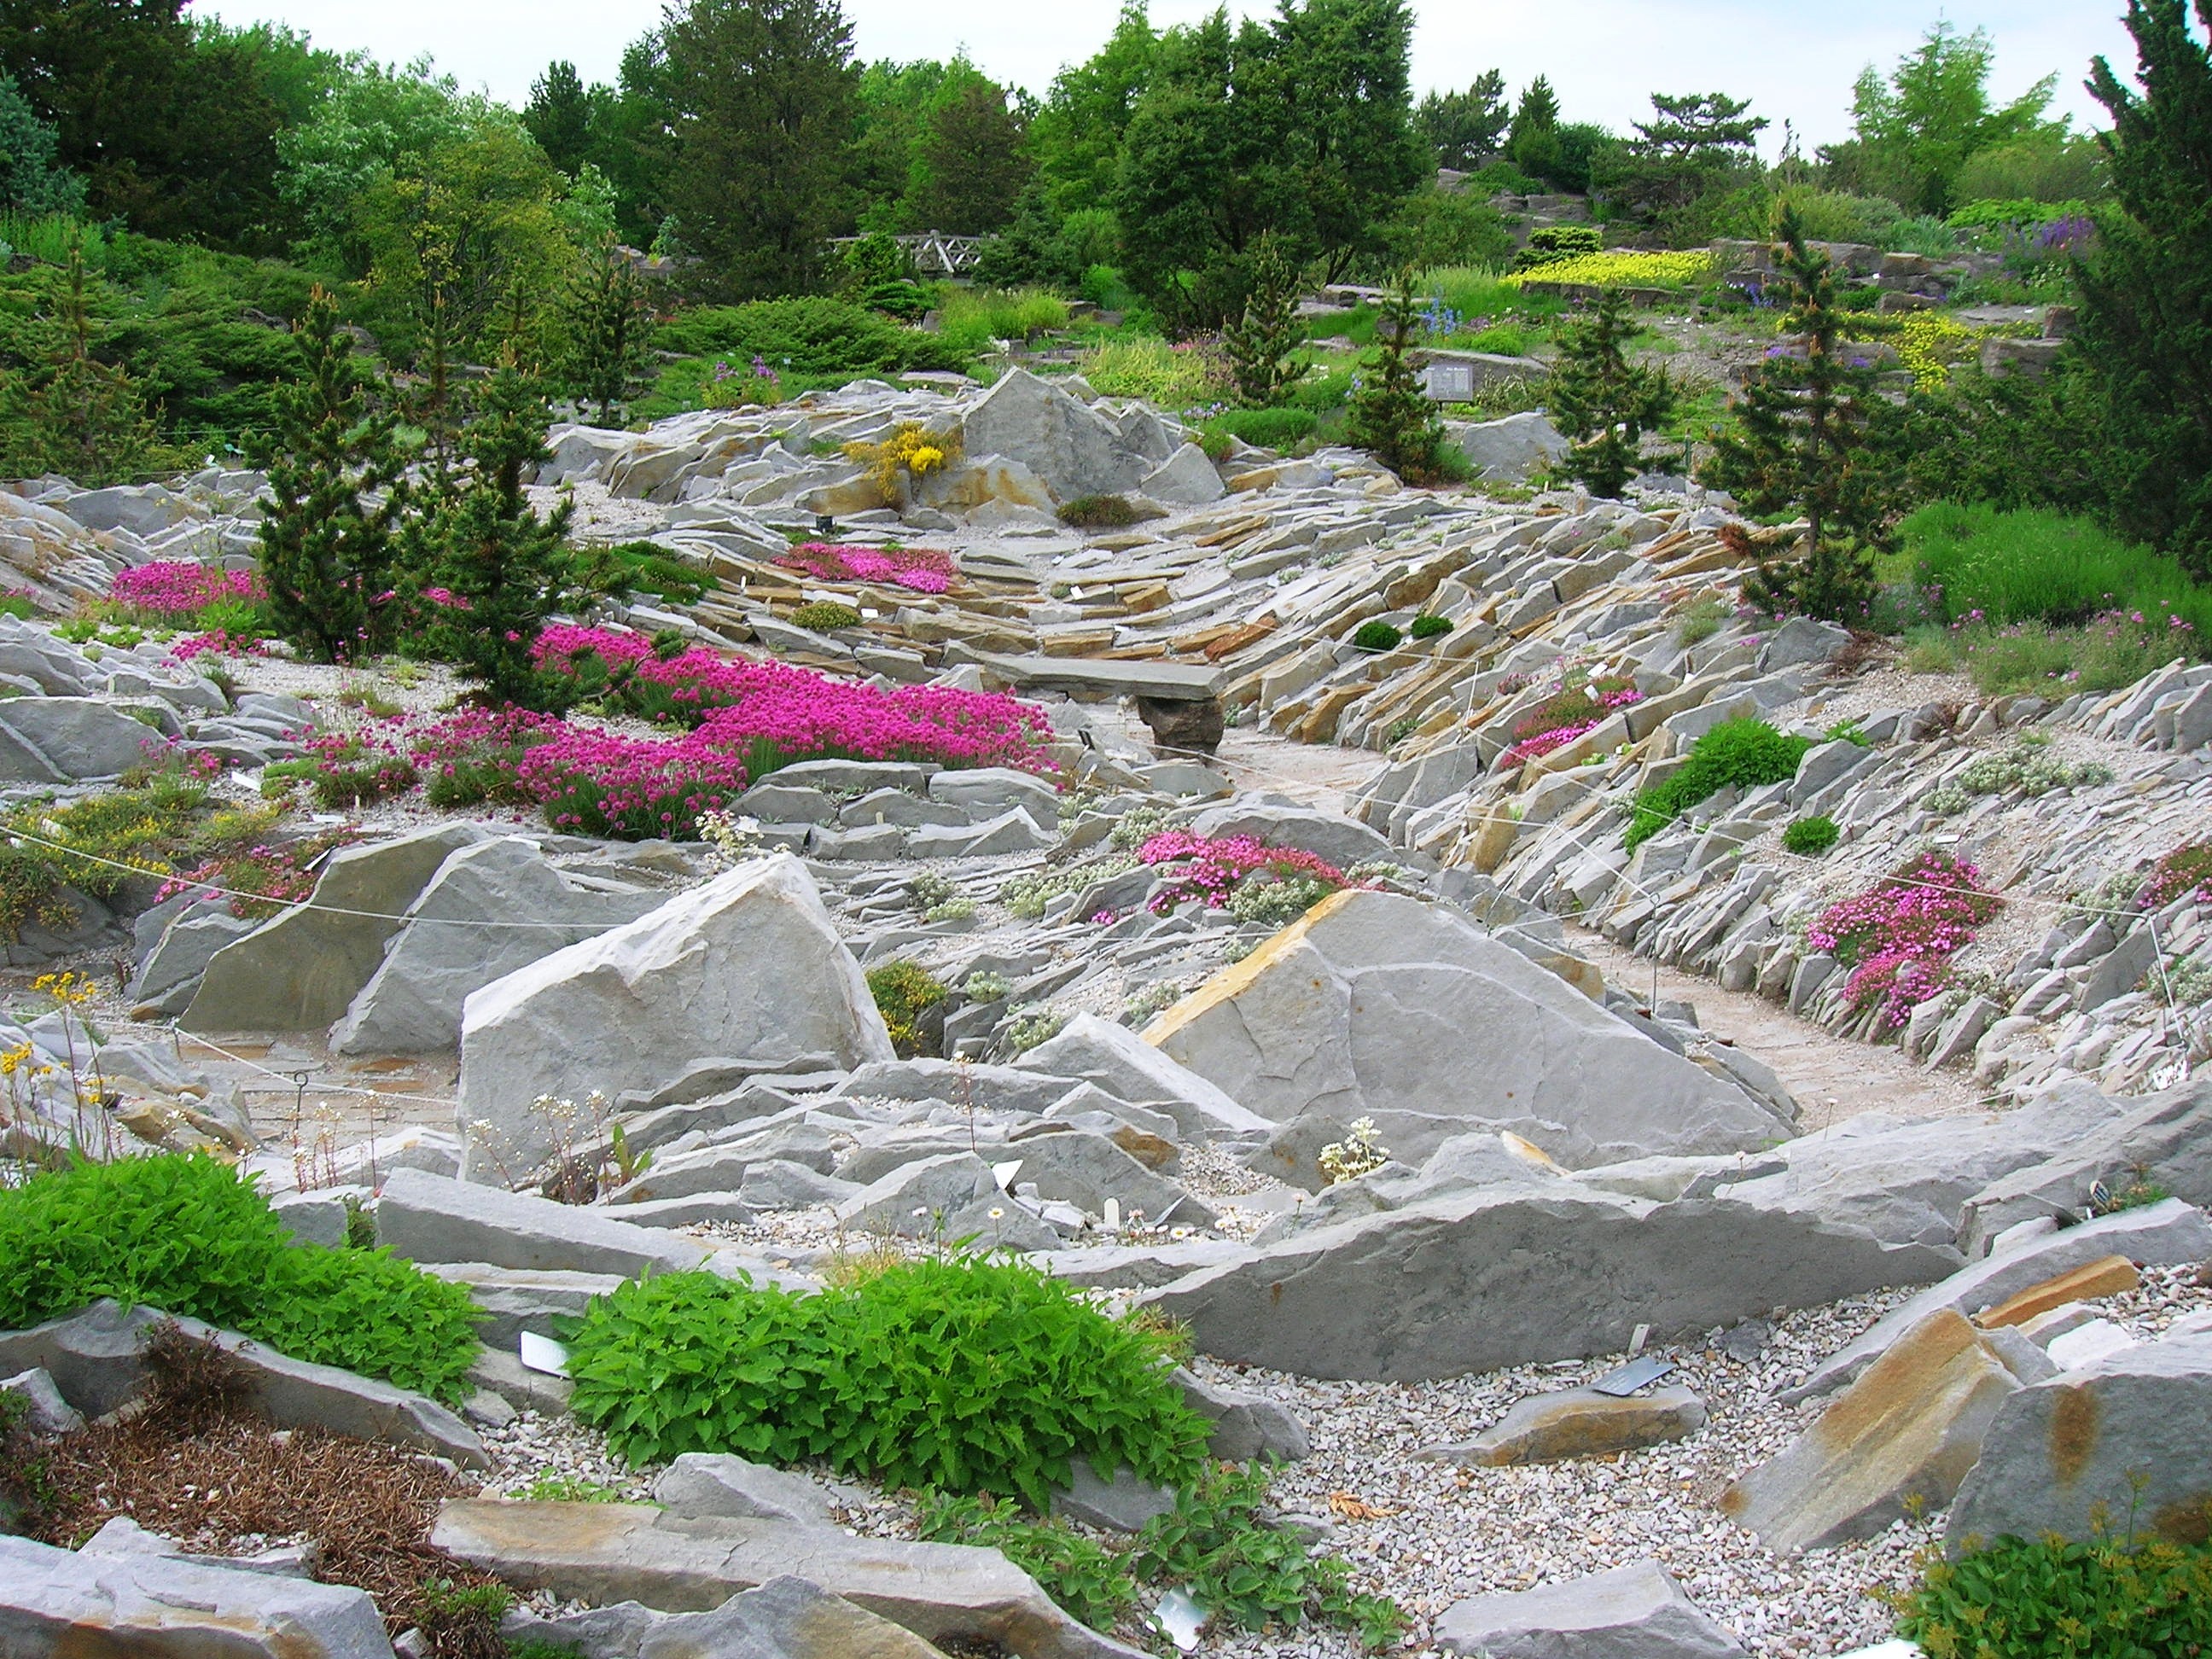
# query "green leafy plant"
(1701, 621)
(1090, 1581)
(2056, 1600)
(186, 1234)
(1427, 627)
(825, 616)
(1738, 754)
(551, 1488)
(904, 992)
(959, 1375)
(1033, 1024)
(1810, 837)
(1100, 512)
(1377, 636)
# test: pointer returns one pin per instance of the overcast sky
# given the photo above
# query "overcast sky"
(1795, 58)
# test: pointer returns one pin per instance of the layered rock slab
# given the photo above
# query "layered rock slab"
(1378, 1005)
(1482, 1280)
(748, 965)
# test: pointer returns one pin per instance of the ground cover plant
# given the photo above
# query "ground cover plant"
(1678, 270)
(2053, 1599)
(1738, 754)
(956, 1375)
(1581, 705)
(1242, 874)
(1898, 937)
(183, 1234)
(924, 570)
(2114, 649)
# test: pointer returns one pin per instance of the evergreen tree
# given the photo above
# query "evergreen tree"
(608, 326)
(1391, 414)
(2145, 329)
(1602, 401)
(32, 180)
(1535, 119)
(1261, 344)
(326, 550)
(1696, 145)
(969, 156)
(1817, 440)
(560, 116)
(76, 415)
(487, 570)
(763, 92)
(1465, 128)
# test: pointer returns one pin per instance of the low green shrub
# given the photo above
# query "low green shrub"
(1427, 627)
(959, 1375)
(804, 336)
(1265, 429)
(2056, 1600)
(1145, 366)
(1377, 635)
(904, 992)
(640, 567)
(1086, 1578)
(825, 616)
(970, 319)
(1810, 837)
(2031, 565)
(186, 1234)
(1100, 512)
(1738, 754)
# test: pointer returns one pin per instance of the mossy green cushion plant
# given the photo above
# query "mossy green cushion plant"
(1100, 512)
(1738, 754)
(1810, 837)
(1378, 636)
(959, 1375)
(1427, 627)
(825, 616)
(903, 992)
(186, 1234)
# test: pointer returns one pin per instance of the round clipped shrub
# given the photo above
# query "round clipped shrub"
(1738, 754)
(825, 616)
(1100, 512)
(954, 1375)
(1377, 635)
(1810, 837)
(1427, 627)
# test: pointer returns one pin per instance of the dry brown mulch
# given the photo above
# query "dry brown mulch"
(195, 1467)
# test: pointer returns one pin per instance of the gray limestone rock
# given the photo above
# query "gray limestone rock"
(430, 1218)
(1635, 1612)
(1075, 450)
(704, 1484)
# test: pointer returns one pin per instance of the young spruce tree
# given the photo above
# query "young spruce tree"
(1263, 343)
(488, 571)
(327, 551)
(1391, 414)
(1602, 401)
(1815, 439)
(608, 327)
(74, 413)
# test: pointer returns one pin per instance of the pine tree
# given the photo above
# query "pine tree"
(2146, 331)
(487, 569)
(1262, 344)
(76, 415)
(327, 549)
(1815, 439)
(1391, 414)
(1602, 401)
(608, 327)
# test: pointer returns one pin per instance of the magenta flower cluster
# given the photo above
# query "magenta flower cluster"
(181, 587)
(1211, 867)
(924, 570)
(1898, 937)
(1577, 709)
(218, 642)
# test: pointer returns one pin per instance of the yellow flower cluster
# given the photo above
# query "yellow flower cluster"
(911, 448)
(1622, 270)
(69, 989)
(1930, 342)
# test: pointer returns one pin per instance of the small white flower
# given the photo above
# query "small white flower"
(997, 1213)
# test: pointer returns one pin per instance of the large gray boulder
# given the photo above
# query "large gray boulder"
(58, 1604)
(1075, 450)
(1502, 1277)
(412, 1003)
(1186, 478)
(610, 1552)
(1507, 451)
(2123, 1445)
(59, 740)
(298, 971)
(98, 1358)
(170, 975)
(1378, 1005)
(1635, 1612)
(784, 1619)
(1121, 1063)
(748, 965)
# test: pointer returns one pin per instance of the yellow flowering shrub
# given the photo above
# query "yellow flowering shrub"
(1621, 271)
(912, 448)
(1930, 342)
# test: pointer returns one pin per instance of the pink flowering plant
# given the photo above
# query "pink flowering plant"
(2187, 868)
(1898, 938)
(924, 570)
(1239, 873)
(1578, 707)
(180, 590)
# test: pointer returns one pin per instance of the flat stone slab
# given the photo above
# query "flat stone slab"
(1084, 676)
(1634, 1612)
(1551, 1428)
(427, 1217)
(608, 1552)
(58, 1604)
